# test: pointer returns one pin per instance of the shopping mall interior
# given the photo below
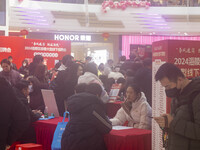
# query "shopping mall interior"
(157, 30)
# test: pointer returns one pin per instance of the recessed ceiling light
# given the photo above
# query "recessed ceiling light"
(185, 33)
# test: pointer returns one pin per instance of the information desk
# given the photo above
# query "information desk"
(129, 139)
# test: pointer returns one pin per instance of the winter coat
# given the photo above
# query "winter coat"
(24, 70)
(115, 75)
(36, 99)
(89, 77)
(13, 76)
(138, 114)
(184, 134)
(65, 84)
(87, 125)
(33, 117)
(13, 115)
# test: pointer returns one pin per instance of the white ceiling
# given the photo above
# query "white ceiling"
(62, 17)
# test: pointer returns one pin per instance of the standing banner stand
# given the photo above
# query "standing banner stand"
(186, 56)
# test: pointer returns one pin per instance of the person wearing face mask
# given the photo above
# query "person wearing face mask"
(22, 90)
(24, 68)
(136, 110)
(182, 125)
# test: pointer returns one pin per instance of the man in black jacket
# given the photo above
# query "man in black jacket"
(13, 115)
(88, 121)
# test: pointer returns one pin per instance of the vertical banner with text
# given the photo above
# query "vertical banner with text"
(186, 56)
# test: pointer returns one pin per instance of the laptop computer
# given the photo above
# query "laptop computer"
(50, 102)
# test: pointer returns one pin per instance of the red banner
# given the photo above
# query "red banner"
(21, 49)
(51, 50)
(12, 46)
(186, 56)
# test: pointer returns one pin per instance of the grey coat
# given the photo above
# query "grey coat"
(184, 134)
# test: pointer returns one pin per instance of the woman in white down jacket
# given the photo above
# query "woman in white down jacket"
(136, 110)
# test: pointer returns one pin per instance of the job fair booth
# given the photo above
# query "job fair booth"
(185, 55)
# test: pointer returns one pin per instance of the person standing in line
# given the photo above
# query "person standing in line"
(181, 128)
(12, 76)
(13, 66)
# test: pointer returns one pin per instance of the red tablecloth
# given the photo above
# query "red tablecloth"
(129, 139)
(112, 108)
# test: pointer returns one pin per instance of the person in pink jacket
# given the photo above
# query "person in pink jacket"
(136, 110)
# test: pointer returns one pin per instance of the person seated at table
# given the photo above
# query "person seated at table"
(22, 89)
(88, 123)
(136, 110)
(13, 115)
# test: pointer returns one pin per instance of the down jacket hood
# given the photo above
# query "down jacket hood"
(78, 102)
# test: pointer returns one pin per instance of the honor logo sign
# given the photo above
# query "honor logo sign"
(71, 37)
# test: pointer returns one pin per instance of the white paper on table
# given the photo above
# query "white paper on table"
(121, 127)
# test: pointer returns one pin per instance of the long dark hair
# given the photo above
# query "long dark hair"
(40, 72)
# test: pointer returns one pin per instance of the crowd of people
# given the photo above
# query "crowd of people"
(83, 90)
(74, 82)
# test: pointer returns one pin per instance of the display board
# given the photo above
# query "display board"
(186, 56)
(20, 49)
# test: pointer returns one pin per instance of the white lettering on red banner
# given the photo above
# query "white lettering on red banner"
(5, 50)
(46, 54)
(191, 61)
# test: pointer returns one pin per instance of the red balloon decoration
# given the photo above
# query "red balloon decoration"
(24, 32)
(106, 5)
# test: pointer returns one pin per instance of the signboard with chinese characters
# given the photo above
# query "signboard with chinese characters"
(12, 46)
(20, 49)
(186, 56)
(51, 50)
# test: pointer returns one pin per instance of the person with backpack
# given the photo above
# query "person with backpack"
(181, 128)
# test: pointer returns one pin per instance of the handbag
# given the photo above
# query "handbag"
(56, 143)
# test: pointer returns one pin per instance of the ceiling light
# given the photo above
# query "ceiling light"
(185, 33)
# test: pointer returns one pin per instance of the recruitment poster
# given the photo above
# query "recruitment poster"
(20, 49)
(185, 55)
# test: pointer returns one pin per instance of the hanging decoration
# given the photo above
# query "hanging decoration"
(105, 36)
(107, 5)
